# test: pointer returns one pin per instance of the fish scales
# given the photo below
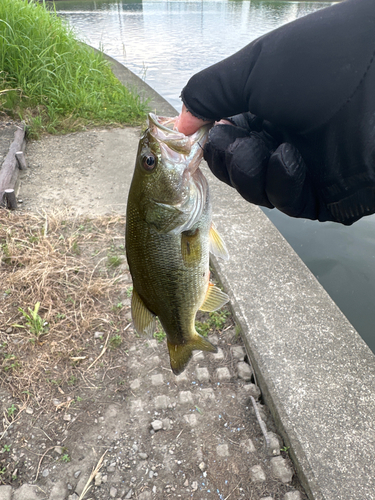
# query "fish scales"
(168, 228)
(161, 268)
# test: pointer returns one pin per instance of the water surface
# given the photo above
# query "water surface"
(165, 42)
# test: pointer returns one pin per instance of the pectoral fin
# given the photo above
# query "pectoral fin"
(214, 299)
(181, 354)
(217, 245)
(143, 319)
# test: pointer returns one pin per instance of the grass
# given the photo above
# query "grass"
(215, 322)
(115, 341)
(34, 323)
(46, 282)
(65, 458)
(11, 411)
(51, 80)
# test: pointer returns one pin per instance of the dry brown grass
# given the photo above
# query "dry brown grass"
(67, 264)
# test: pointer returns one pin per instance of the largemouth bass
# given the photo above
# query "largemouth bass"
(169, 235)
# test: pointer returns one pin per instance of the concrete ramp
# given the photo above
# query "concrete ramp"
(316, 374)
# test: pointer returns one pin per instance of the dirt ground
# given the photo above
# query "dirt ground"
(84, 400)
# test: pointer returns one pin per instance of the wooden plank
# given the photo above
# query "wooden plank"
(9, 173)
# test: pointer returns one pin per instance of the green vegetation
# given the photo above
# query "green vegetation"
(114, 261)
(51, 80)
(65, 458)
(10, 362)
(11, 411)
(115, 341)
(216, 322)
(34, 323)
(159, 335)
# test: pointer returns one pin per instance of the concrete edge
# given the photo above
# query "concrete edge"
(274, 375)
(156, 102)
(270, 395)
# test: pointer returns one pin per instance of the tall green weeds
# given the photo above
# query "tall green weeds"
(51, 80)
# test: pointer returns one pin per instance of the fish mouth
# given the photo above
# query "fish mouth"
(190, 146)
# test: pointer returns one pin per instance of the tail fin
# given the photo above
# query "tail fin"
(181, 354)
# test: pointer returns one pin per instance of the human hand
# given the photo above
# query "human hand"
(187, 123)
(309, 147)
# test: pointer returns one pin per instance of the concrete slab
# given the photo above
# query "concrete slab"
(316, 373)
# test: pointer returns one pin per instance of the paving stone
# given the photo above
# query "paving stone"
(135, 384)
(281, 469)
(157, 425)
(257, 474)
(5, 492)
(59, 491)
(186, 397)
(167, 424)
(136, 405)
(244, 371)
(181, 378)
(157, 379)
(161, 402)
(145, 495)
(238, 352)
(206, 394)
(252, 390)
(248, 446)
(191, 419)
(223, 373)
(292, 495)
(203, 375)
(82, 481)
(198, 356)
(274, 444)
(27, 492)
(214, 339)
(136, 366)
(152, 343)
(222, 450)
(219, 355)
(152, 362)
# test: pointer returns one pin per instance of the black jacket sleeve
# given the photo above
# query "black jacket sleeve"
(312, 80)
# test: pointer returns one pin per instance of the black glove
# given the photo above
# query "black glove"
(250, 158)
(309, 147)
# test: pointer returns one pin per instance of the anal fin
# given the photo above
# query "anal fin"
(214, 299)
(144, 320)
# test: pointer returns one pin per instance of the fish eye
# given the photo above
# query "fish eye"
(149, 162)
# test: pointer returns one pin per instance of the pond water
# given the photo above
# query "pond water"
(165, 42)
